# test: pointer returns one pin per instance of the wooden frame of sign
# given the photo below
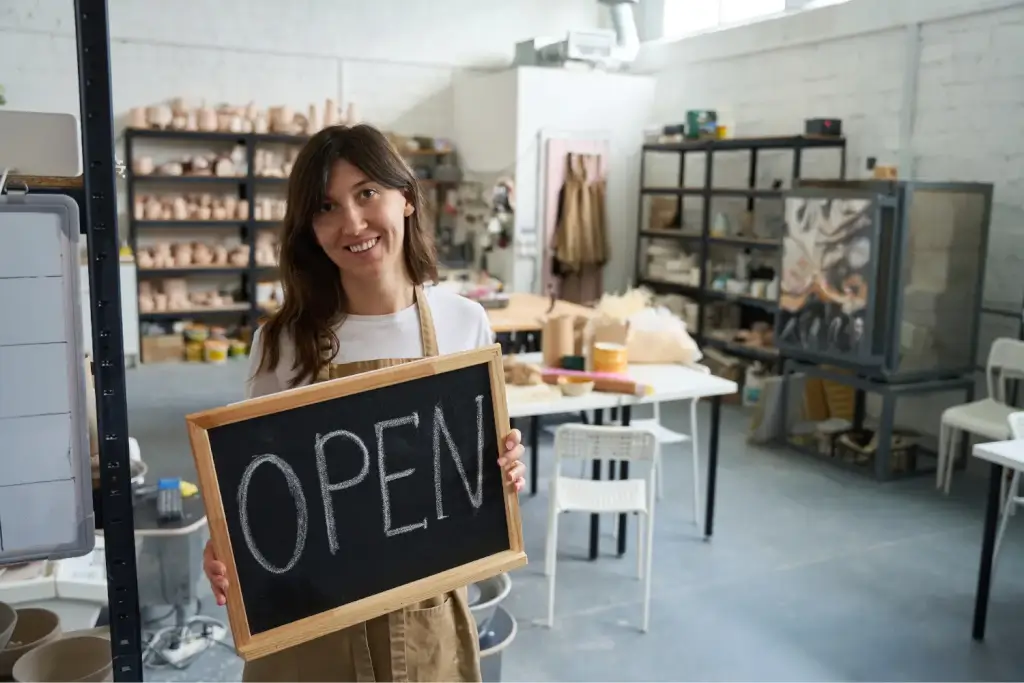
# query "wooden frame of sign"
(254, 645)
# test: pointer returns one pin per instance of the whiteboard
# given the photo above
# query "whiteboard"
(46, 506)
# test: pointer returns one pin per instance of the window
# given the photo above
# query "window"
(683, 17)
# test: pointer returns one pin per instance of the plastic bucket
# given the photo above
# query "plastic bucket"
(501, 631)
(484, 597)
(36, 626)
(8, 620)
(76, 658)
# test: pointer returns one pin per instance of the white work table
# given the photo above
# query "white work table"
(667, 382)
(1002, 456)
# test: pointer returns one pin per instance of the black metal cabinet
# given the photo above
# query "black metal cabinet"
(884, 277)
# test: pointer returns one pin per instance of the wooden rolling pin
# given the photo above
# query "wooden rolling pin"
(603, 381)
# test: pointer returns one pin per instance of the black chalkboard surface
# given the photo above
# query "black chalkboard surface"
(338, 502)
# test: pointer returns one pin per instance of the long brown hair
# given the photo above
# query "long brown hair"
(314, 299)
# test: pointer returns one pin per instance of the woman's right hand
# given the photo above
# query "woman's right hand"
(216, 573)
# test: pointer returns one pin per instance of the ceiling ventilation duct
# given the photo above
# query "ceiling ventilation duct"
(595, 47)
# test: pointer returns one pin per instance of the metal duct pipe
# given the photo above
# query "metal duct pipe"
(627, 37)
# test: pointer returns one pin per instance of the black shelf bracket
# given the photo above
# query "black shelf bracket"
(100, 203)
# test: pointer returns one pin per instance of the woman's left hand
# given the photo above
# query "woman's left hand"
(511, 460)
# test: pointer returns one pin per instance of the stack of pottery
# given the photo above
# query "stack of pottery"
(31, 628)
(72, 658)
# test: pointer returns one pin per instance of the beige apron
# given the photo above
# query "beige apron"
(434, 640)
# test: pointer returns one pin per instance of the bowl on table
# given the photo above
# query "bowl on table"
(575, 386)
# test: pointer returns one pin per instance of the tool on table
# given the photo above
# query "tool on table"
(169, 500)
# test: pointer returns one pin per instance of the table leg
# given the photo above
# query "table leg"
(624, 474)
(595, 474)
(534, 453)
(988, 545)
(709, 510)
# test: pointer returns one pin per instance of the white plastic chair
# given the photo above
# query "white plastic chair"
(1011, 495)
(987, 417)
(664, 437)
(571, 494)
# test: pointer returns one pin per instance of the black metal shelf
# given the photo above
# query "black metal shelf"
(195, 270)
(748, 144)
(745, 242)
(243, 186)
(744, 299)
(163, 316)
(187, 179)
(671, 235)
(213, 136)
(702, 293)
(662, 286)
(271, 180)
(742, 350)
(740, 192)
(185, 225)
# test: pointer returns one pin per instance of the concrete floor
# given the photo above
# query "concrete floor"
(813, 573)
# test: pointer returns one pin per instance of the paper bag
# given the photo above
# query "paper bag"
(657, 336)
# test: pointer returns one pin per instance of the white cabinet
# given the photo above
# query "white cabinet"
(502, 120)
(129, 312)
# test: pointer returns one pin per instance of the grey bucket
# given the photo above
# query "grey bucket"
(484, 597)
(501, 631)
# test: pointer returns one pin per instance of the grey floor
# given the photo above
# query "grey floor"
(813, 574)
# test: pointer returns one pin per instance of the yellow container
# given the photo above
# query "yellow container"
(215, 351)
(609, 357)
(194, 351)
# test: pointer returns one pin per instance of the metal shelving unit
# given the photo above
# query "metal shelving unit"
(99, 222)
(702, 293)
(246, 186)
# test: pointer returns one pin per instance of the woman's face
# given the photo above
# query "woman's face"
(361, 225)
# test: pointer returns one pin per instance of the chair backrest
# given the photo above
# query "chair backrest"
(594, 442)
(1016, 421)
(1005, 361)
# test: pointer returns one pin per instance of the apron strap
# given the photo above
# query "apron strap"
(428, 335)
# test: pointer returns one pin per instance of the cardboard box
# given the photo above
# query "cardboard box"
(163, 348)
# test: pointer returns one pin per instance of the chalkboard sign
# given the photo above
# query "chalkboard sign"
(345, 500)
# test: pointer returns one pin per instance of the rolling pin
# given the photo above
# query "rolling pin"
(603, 381)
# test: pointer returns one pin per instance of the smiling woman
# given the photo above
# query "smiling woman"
(356, 264)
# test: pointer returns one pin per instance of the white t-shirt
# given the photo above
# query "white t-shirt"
(460, 324)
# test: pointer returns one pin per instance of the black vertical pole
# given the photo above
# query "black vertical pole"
(97, 117)
(705, 231)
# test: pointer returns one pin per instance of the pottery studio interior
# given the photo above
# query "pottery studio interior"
(756, 266)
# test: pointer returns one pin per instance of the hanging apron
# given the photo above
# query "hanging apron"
(434, 640)
(582, 283)
(567, 232)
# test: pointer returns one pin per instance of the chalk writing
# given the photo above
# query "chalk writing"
(441, 429)
(295, 489)
(326, 488)
(385, 478)
(442, 438)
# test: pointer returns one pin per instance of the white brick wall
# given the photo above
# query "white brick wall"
(850, 61)
(394, 58)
